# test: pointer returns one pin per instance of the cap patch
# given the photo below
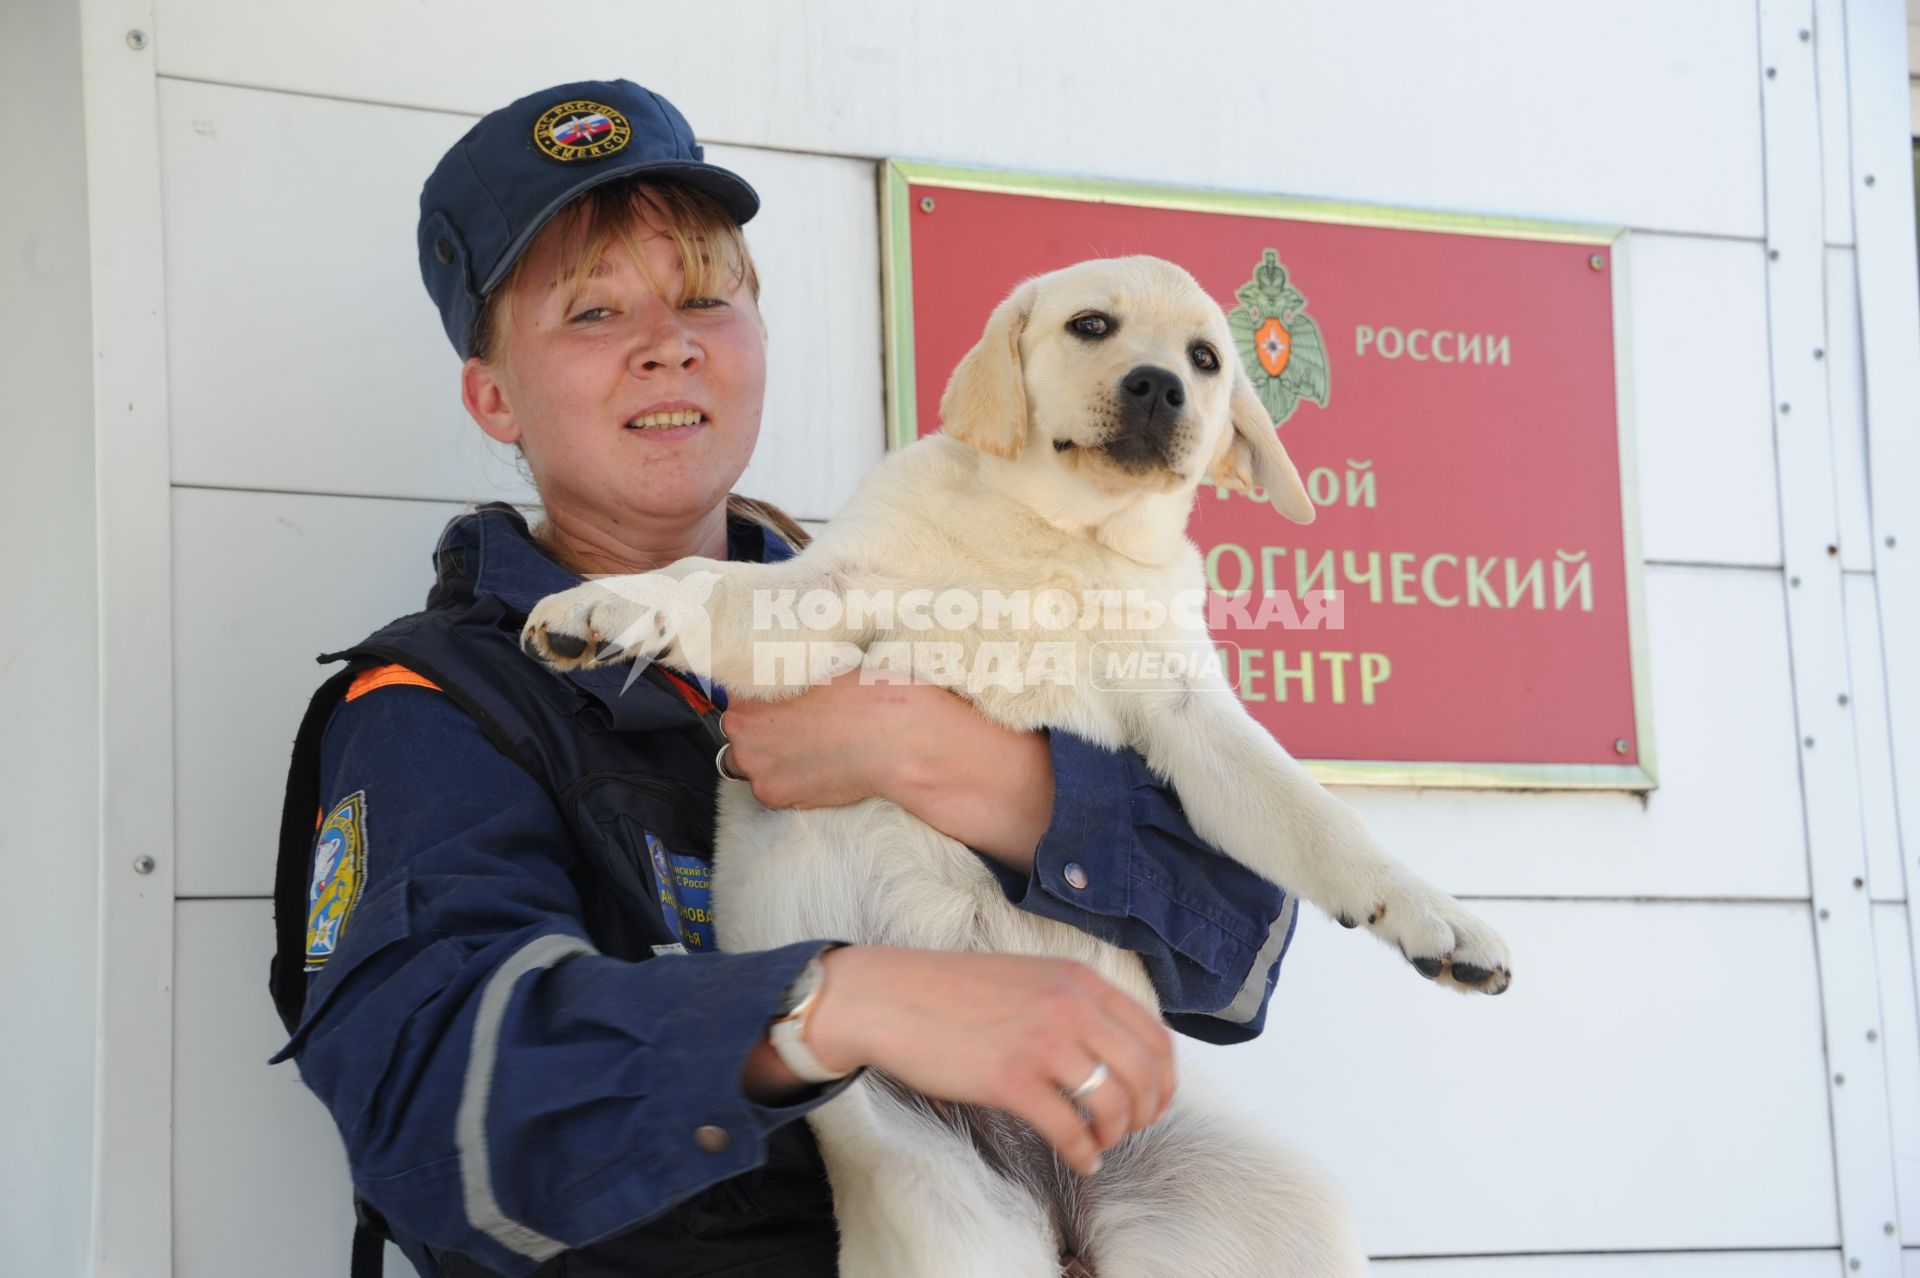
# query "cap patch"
(581, 130)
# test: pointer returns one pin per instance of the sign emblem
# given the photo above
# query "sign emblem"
(339, 875)
(1279, 342)
(581, 130)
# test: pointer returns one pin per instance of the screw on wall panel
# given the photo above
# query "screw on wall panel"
(1844, 698)
(1597, 262)
(1873, 1036)
(1823, 913)
(1770, 73)
(1839, 1080)
(1858, 882)
(1794, 582)
(1854, 1263)
(1773, 255)
(1807, 741)
(1805, 34)
(1832, 549)
(1620, 745)
(143, 865)
(1887, 1229)
(926, 204)
(1889, 541)
(136, 40)
(1869, 179)
(1819, 352)
(1785, 409)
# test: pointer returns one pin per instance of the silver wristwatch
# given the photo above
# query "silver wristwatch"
(788, 1029)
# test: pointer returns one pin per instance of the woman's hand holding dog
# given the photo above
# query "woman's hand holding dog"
(1008, 1031)
(917, 745)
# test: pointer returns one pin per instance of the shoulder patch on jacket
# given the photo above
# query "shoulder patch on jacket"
(385, 677)
(339, 874)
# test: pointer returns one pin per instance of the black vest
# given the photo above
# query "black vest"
(613, 776)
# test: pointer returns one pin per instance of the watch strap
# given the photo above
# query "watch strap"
(788, 1033)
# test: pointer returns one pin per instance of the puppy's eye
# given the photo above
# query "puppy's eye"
(1204, 358)
(1092, 324)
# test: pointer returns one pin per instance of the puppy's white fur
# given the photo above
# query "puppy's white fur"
(1035, 485)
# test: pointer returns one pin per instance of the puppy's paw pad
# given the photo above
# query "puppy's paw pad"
(1485, 980)
(592, 625)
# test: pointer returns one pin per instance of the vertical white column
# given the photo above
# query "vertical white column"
(132, 1219)
(1816, 628)
(1880, 180)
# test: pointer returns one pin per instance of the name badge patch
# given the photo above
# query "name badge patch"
(686, 894)
(339, 874)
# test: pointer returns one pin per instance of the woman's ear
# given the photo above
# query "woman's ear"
(985, 403)
(1251, 455)
(486, 400)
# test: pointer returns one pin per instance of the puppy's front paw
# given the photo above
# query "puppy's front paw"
(1445, 942)
(621, 619)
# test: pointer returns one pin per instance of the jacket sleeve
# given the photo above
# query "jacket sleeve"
(1119, 861)
(503, 1090)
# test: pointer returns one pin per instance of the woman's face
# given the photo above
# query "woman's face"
(584, 383)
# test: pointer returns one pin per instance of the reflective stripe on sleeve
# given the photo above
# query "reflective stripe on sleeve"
(1254, 992)
(470, 1127)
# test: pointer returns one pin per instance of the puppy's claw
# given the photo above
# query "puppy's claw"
(1347, 921)
(1428, 967)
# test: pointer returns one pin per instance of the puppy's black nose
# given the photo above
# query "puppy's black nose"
(1149, 387)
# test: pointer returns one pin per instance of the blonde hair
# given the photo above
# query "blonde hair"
(711, 247)
(709, 241)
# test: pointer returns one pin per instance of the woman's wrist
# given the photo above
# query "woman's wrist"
(835, 1026)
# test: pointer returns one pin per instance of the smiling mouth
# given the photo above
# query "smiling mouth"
(667, 421)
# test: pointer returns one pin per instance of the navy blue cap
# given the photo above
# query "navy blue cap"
(494, 190)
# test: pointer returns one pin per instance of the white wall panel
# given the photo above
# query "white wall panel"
(305, 356)
(50, 681)
(259, 1176)
(1879, 816)
(264, 582)
(1901, 1021)
(1653, 1080)
(1726, 819)
(1646, 115)
(1727, 1264)
(1702, 424)
(1846, 405)
(302, 350)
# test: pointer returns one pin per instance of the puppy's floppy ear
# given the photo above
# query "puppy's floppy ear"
(985, 403)
(1251, 457)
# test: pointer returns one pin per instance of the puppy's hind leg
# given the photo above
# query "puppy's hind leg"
(1199, 1194)
(914, 1200)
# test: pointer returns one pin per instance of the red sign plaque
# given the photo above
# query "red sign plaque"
(1451, 390)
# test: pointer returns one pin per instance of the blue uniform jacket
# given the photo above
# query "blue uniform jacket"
(605, 1079)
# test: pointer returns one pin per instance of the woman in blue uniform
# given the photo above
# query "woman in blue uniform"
(495, 943)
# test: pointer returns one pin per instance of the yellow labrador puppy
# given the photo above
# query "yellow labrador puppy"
(1046, 527)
